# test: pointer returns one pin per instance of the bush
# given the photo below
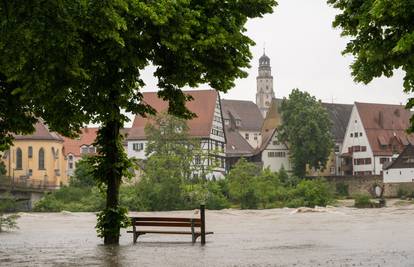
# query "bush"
(7, 204)
(342, 189)
(363, 201)
(311, 193)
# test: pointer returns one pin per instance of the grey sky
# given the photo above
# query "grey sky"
(305, 53)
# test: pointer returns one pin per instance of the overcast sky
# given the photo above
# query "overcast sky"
(305, 53)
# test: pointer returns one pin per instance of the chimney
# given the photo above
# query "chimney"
(381, 119)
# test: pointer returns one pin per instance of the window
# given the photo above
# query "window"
(336, 148)
(138, 146)
(352, 135)
(360, 134)
(197, 160)
(363, 148)
(226, 121)
(70, 157)
(357, 148)
(41, 159)
(84, 150)
(356, 134)
(70, 165)
(384, 160)
(255, 136)
(276, 154)
(57, 172)
(92, 150)
(30, 172)
(246, 136)
(19, 159)
(275, 143)
(30, 152)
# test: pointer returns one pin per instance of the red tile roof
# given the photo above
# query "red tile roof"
(87, 137)
(41, 133)
(203, 106)
(385, 125)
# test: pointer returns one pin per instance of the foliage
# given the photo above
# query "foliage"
(267, 186)
(73, 199)
(7, 204)
(381, 38)
(242, 184)
(311, 193)
(3, 170)
(362, 201)
(108, 219)
(306, 129)
(83, 176)
(342, 189)
(75, 62)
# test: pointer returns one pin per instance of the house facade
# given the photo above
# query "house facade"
(208, 126)
(401, 170)
(273, 153)
(37, 158)
(76, 148)
(376, 133)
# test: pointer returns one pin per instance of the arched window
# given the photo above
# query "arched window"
(41, 159)
(19, 159)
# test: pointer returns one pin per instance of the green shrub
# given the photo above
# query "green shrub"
(311, 193)
(342, 189)
(362, 201)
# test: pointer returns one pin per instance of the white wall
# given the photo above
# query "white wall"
(355, 126)
(253, 143)
(137, 154)
(275, 163)
(399, 175)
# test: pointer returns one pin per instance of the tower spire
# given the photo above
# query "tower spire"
(264, 48)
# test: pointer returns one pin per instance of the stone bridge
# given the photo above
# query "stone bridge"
(27, 191)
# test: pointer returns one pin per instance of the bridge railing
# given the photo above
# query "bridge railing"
(25, 183)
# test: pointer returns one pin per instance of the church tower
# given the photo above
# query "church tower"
(265, 93)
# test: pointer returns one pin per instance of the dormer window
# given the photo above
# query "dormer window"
(238, 122)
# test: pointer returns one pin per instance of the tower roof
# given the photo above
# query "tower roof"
(264, 60)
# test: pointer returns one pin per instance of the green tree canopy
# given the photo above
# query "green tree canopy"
(73, 62)
(306, 129)
(83, 176)
(381, 36)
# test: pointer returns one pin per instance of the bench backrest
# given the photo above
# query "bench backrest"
(166, 221)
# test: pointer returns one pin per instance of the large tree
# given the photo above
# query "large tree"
(306, 129)
(73, 62)
(381, 36)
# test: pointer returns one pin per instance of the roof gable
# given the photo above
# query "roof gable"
(404, 160)
(203, 105)
(245, 111)
(41, 133)
(339, 115)
(86, 137)
(385, 126)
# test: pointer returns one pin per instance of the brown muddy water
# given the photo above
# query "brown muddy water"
(277, 237)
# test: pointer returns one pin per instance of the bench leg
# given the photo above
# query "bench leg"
(135, 237)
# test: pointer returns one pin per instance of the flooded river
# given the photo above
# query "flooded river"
(278, 237)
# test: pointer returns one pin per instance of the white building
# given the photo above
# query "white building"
(375, 134)
(208, 126)
(401, 170)
(274, 154)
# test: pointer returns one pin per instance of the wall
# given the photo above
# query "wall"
(275, 163)
(51, 164)
(402, 175)
(366, 184)
(252, 134)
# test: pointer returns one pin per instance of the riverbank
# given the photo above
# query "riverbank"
(336, 236)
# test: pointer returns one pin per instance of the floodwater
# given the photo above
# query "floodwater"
(277, 237)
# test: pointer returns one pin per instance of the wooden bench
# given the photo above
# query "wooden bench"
(192, 223)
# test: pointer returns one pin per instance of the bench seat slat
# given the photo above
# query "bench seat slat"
(168, 232)
(167, 224)
(165, 219)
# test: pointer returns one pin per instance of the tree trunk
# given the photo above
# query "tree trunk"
(113, 176)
